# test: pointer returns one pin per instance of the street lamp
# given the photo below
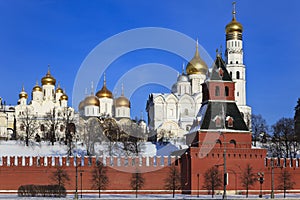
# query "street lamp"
(261, 181)
(198, 185)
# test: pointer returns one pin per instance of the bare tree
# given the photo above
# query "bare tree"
(285, 181)
(52, 122)
(173, 181)
(133, 136)
(60, 176)
(99, 177)
(137, 182)
(92, 134)
(259, 126)
(248, 178)
(28, 122)
(212, 180)
(284, 141)
(67, 120)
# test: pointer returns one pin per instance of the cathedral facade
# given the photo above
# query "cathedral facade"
(46, 111)
(171, 115)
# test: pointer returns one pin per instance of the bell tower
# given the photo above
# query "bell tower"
(235, 64)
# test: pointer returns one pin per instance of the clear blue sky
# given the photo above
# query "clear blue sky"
(36, 33)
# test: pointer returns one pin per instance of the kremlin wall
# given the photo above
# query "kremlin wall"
(219, 136)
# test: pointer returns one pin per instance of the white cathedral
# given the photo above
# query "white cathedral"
(171, 115)
(45, 100)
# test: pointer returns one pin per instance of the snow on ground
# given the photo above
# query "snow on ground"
(153, 196)
(18, 148)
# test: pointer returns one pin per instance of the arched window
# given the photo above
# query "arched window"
(231, 74)
(226, 91)
(237, 62)
(217, 91)
(232, 143)
(237, 75)
(42, 127)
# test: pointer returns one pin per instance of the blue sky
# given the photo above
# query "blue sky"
(36, 33)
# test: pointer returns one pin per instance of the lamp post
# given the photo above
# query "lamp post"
(198, 183)
(272, 178)
(261, 181)
(81, 183)
(76, 173)
(225, 169)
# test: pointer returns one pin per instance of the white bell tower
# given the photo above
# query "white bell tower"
(235, 64)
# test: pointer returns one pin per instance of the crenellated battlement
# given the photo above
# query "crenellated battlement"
(70, 161)
(282, 162)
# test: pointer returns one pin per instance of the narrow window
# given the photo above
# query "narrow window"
(231, 74)
(217, 92)
(226, 91)
(237, 75)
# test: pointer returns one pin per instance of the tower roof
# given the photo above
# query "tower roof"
(219, 71)
(104, 92)
(48, 79)
(234, 25)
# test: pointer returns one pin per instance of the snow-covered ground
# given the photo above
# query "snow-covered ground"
(155, 196)
(18, 148)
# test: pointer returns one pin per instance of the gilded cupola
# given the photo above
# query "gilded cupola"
(196, 65)
(104, 92)
(23, 94)
(48, 79)
(234, 26)
(122, 101)
(37, 88)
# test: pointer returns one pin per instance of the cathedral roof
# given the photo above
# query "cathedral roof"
(197, 64)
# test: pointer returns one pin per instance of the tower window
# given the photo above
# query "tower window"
(237, 62)
(230, 62)
(217, 91)
(226, 91)
(237, 94)
(237, 75)
(231, 74)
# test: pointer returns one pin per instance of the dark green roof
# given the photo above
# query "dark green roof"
(218, 109)
(219, 64)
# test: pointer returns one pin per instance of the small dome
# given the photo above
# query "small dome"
(59, 90)
(196, 65)
(91, 101)
(48, 79)
(182, 78)
(37, 88)
(122, 102)
(104, 93)
(63, 97)
(81, 105)
(234, 27)
(23, 94)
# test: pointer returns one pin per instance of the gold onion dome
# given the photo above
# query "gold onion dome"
(91, 101)
(37, 88)
(196, 65)
(23, 94)
(122, 101)
(234, 26)
(48, 79)
(63, 97)
(104, 92)
(59, 90)
(81, 105)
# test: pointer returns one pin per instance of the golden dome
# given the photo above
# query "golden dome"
(63, 97)
(234, 26)
(104, 92)
(23, 94)
(48, 79)
(59, 90)
(37, 88)
(196, 65)
(91, 101)
(122, 102)
(81, 105)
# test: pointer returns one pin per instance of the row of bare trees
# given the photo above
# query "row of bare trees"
(49, 124)
(100, 180)
(213, 180)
